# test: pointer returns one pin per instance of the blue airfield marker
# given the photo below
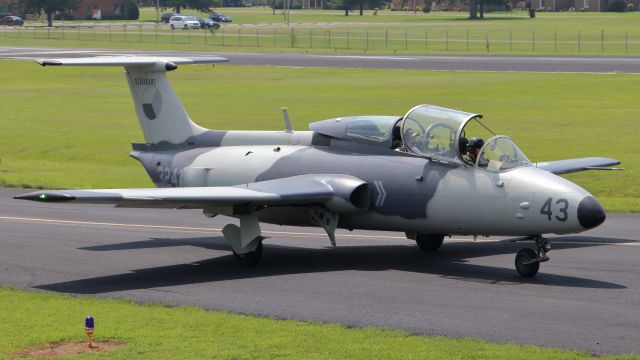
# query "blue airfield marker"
(88, 329)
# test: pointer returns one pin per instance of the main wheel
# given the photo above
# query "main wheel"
(524, 266)
(429, 242)
(251, 258)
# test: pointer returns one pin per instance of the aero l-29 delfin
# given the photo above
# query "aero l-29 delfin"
(429, 173)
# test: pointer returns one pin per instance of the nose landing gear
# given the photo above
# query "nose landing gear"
(528, 260)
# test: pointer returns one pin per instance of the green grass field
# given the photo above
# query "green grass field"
(31, 319)
(258, 29)
(72, 127)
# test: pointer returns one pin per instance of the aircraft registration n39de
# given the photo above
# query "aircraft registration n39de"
(429, 173)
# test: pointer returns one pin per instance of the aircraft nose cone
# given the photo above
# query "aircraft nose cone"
(590, 213)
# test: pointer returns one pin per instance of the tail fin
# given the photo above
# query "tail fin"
(160, 113)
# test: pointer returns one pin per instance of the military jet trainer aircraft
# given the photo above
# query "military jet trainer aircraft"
(426, 173)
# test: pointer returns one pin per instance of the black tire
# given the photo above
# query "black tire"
(185, 27)
(524, 269)
(172, 27)
(217, 26)
(429, 242)
(251, 258)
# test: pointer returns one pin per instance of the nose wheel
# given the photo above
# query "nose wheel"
(528, 260)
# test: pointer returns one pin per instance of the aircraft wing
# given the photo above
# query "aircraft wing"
(580, 164)
(339, 193)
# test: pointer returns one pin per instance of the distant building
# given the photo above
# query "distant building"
(101, 9)
(8, 7)
(87, 9)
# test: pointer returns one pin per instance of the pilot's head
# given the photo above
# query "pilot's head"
(474, 145)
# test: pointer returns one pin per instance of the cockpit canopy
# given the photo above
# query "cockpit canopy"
(438, 133)
(370, 130)
(444, 134)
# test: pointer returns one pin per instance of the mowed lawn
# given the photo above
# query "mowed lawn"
(560, 21)
(72, 127)
(259, 29)
(156, 332)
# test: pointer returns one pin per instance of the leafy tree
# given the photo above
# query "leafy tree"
(133, 13)
(201, 5)
(49, 7)
(426, 8)
(478, 6)
(347, 5)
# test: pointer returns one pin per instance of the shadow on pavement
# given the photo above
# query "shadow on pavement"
(451, 261)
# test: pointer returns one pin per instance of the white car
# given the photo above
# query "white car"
(184, 22)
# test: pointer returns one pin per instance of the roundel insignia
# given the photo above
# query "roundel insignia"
(152, 109)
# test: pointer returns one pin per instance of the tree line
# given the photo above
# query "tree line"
(51, 7)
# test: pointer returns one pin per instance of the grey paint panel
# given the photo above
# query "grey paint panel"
(401, 186)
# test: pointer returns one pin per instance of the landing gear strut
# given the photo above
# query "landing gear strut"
(245, 240)
(528, 260)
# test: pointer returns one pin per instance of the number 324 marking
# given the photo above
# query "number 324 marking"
(564, 205)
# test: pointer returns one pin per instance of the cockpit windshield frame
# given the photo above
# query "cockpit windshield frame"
(504, 161)
(430, 117)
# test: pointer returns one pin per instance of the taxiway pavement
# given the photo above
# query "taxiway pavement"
(586, 297)
(418, 62)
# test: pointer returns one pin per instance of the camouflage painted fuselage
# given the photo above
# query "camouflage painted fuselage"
(409, 193)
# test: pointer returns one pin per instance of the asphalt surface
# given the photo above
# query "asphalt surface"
(586, 297)
(419, 62)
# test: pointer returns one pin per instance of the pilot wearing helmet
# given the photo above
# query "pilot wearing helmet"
(473, 149)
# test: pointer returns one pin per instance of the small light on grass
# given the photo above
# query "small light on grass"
(88, 326)
(43, 197)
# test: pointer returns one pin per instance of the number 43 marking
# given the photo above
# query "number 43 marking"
(564, 205)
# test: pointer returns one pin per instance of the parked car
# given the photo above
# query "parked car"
(12, 21)
(219, 17)
(208, 24)
(184, 22)
(167, 16)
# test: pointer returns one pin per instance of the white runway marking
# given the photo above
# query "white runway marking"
(179, 228)
(186, 229)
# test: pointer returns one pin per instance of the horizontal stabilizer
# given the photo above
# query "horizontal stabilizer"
(340, 193)
(580, 164)
(168, 63)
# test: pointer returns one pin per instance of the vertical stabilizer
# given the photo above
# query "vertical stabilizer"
(160, 113)
(162, 117)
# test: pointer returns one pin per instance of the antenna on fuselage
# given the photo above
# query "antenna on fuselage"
(287, 122)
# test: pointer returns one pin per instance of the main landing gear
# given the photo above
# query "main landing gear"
(429, 242)
(528, 260)
(246, 240)
(251, 258)
(426, 242)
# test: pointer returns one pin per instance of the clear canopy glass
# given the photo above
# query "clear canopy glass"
(500, 153)
(453, 135)
(376, 128)
(433, 131)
